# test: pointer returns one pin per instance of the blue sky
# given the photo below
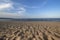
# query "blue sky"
(30, 8)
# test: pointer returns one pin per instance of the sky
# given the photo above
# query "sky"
(29, 8)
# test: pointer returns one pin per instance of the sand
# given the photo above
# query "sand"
(30, 30)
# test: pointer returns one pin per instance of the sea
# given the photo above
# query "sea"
(30, 19)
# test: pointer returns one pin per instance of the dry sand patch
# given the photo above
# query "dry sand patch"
(29, 30)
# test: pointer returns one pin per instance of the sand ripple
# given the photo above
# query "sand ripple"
(29, 30)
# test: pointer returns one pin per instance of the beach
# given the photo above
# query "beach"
(29, 30)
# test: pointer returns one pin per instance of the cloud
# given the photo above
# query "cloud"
(5, 1)
(4, 6)
(10, 9)
(36, 4)
(30, 6)
(10, 15)
(18, 13)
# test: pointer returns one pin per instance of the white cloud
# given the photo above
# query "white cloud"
(30, 6)
(4, 6)
(18, 14)
(9, 9)
(5, 1)
(10, 15)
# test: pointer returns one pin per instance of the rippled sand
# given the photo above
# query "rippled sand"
(29, 30)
